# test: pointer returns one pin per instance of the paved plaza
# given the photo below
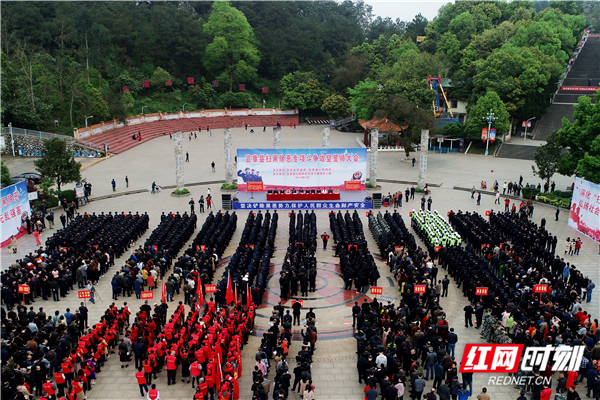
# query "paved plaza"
(334, 369)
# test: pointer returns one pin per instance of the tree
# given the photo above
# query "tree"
(410, 118)
(547, 159)
(581, 138)
(58, 163)
(301, 91)
(5, 174)
(475, 123)
(233, 53)
(336, 106)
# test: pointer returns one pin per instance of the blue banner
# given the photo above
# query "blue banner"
(308, 205)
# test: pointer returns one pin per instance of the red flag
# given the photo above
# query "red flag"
(199, 291)
(164, 291)
(229, 293)
(235, 296)
(248, 295)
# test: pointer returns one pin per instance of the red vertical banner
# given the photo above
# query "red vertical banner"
(190, 81)
(169, 82)
(146, 84)
(164, 291)
(242, 87)
(229, 292)
(265, 89)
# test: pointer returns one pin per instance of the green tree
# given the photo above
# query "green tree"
(475, 123)
(58, 163)
(581, 139)
(547, 159)
(301, 91)
(233, 53)
(236, 100)
(157, 81)
(410, 118)
(5, 174)
(336, 106)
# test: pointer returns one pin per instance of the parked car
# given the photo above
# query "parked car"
(15, 179)
(36, 178)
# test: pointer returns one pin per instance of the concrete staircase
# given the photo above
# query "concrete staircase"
(586, 67)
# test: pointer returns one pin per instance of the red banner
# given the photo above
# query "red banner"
(210, 288)
(147, 295)
(84, 294)
(540, 288)
(581, 88)
(352, 185)
(484, 134)
(201, 247)
(420, 289)
(481, 291)
(168, 82)
(146, 84)
(242, 87)
(265, 89)
(254, 186)
(24, 289)
(376, 290)
(190, 81)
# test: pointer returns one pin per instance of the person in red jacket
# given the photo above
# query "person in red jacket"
(61, 382)
(141, 381)
(153, 394)
(50, 389)
(195, 370)
(198, 395)
(171, 368)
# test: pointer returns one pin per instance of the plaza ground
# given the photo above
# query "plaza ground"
(334, 368)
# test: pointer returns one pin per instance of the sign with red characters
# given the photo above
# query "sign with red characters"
(85, 294)
(210, 288)
(376, 290)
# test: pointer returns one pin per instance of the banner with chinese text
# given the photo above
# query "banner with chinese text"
(15, 209)
(585, 209)
(320, 168)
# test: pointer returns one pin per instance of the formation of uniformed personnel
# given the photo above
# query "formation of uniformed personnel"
(356, 262)
(434, 230)
(299, 269)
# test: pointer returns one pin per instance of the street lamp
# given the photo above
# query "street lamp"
(143, 109)
(86, 118)
(184, 106)
(490, 118)
(527, 126)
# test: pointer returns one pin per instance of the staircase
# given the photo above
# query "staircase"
(120, 139)
(520, 152)
(586, 67)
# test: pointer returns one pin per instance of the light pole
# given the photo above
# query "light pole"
(143, 109)
(184, 106)
(490, 118)
(86, 118)
(527, 126)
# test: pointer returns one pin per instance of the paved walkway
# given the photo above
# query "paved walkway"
(334, 369)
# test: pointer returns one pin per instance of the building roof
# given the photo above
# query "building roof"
(383, 124)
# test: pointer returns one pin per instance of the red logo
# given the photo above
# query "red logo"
(84, 294)
(491, 358)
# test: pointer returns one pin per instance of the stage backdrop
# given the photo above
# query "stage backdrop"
(15, 208)
(307, 168)
(585, 209)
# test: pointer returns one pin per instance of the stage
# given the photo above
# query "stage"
(258, 201)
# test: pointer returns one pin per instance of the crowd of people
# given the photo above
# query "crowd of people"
(356, 262)
(300, 264)
(248, 267)
(512, 312)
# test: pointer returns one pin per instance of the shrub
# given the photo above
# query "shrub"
(556, 201)
(233, 186)
(529, 193)
(419, 190)
(182, 191)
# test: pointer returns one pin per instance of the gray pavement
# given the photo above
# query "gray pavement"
(334, 369)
